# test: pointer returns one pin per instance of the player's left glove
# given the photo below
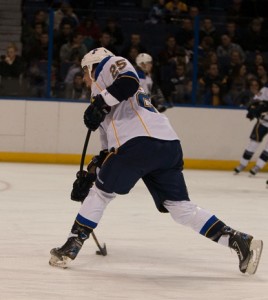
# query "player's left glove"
(256, 109)
(96, 112)
(85, 179)
(81, 186)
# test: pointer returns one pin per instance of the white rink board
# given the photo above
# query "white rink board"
(57, 128)
(149, 256)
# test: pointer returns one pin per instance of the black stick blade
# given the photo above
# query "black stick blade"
(102, 251)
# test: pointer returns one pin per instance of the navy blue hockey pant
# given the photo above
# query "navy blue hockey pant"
(158, 163)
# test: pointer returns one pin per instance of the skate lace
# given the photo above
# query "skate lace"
(238, 251)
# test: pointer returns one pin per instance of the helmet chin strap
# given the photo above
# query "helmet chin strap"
(93, 79)
(90, 73)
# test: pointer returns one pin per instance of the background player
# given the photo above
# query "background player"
(144, 146)
(258, 109)
(144, 70)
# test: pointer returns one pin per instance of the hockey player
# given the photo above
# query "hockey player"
(144, 146)
(258, 109)
(144, 63)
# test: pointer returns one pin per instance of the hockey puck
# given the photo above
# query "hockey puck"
(98, 252)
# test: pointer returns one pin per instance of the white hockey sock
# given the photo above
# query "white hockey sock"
(188, 214)
(94, 205)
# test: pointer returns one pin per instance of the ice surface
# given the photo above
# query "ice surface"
(150, 257)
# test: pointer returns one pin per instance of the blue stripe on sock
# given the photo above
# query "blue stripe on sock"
(208, 224)
(86, 222)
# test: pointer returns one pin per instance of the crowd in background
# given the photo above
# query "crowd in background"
(232, 47)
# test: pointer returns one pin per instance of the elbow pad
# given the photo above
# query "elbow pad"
(123, 87)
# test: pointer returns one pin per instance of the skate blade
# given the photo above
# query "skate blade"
(62, 262)
(256, 250)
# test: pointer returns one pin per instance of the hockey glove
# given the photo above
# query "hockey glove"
(85, 180)
(252, 111)
(99, 159)
(256, 109)
(96, 112)
(82, 185)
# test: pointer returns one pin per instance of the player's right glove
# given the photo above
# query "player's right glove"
(96, 112)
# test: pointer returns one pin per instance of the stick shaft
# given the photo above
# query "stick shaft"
(96, 240)
(84, 150)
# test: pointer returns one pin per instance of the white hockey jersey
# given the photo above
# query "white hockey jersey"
(263, 96)
(146, 82)
(131, 118)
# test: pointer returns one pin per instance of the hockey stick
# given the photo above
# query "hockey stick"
(102, 250)
(84, 151)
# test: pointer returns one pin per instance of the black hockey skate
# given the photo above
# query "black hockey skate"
(254, 171)
(62, 256)
(238, 169)
(247, 249)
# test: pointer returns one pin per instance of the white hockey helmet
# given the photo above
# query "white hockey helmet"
(94, 56)
(143, 58)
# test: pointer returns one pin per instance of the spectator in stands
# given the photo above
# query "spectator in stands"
(73, 48)
(208, 29)
(170, 52)
(260, 59)
(211, 76)
(36, 76)
(41, 16)
(168, 58)
(39, 51)
(189, 48)
(226, 47)
(262, 74)
(132, 55)
(232, 30)
(206, 46)
(114, 29)
(12, 69)
(31, 39)
(12, 65)
(177, 87)
(237, 85)
(255, 38)
(77, 89)
(252, 89)
(64, 14)
(175, 9)
(72, 70)
(185, 31)
(210, 58)
(62, 37)
(157, 13)
(105, 41)
(55, 84)
(228, 63)
(90, 30)
(215, 95)
(136, 42)
(193, 12)
(38, 25)
(236, 12)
